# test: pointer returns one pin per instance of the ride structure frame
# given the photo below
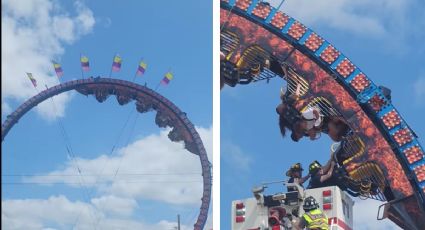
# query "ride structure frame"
(389, 142)
(168, 115)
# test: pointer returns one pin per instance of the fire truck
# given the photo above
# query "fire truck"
(281, 211)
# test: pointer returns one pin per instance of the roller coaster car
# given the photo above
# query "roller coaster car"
(162, 120)
(233, 75)
(143, 106)
(175, 135)
(292, 119)
(123, 99)
(251, 65)
(338, 130)
(366, 180)
(101, 95)
(355, 188)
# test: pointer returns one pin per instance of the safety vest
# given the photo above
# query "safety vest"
(316, 219)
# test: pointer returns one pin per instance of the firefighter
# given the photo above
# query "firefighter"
(313, 218)
(295, 176)
(321, 176)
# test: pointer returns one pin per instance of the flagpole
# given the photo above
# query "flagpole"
(35, 87)
(158, 86)
(169, 70)
(54, 68)
(134, 78)
(110, 72)
(82, 71)
(135, 74)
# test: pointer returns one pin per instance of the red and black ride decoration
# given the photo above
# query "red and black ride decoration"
(259, 42)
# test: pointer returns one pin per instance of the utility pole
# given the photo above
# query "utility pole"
(178, 221)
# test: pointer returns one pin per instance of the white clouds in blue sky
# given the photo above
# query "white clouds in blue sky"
(33, 34)
(113, 203)
(152, 154)
(368, 19)
(58, 212)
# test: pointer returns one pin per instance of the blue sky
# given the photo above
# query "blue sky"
(168, 35)
(384, 38)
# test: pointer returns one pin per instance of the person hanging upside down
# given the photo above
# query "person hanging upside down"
(309, 123)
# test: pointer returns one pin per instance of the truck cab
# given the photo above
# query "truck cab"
(281, 211)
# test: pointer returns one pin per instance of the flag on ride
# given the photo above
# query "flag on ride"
(116, 64)
(85, 63)
(142, 68)
(58, 69)
(167, 78)
(33, 81)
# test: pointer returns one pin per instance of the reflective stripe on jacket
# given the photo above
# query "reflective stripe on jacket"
(316, 219)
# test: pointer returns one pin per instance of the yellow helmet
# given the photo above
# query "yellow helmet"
(294, 168)
(314, 167)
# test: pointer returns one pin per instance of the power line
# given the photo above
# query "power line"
(71, 154)
(88, 183)
(112, 174)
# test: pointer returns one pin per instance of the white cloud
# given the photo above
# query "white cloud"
(58, 212)
(85, 18)
(33, 34)
(371, 19)
(49, 109)
(152, 154)
(419, 89)
(233, 155)
(115, 205)
(5, 108)
(365, 212)
(31, 213)
(63, 27)
(117, 199)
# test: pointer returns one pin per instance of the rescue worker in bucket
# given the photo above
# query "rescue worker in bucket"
(321, 176)
(313, 218)
(295, 176)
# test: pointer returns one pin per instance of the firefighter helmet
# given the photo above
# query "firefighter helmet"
(314, 167)
(310, 203)
(294, 168)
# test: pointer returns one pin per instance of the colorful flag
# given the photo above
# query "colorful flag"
(33, 81)
(85, 63)
(167, 78)
(116, 64)
(58, 69)
(142, 68)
